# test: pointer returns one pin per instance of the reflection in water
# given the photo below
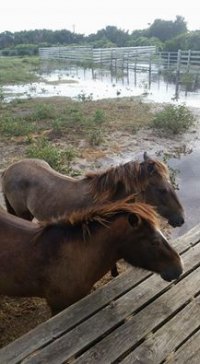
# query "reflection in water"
(187, 179)
(101, 83)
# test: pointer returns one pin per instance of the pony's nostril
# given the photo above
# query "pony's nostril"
(182, 220)
(176, 221)
(172, 273)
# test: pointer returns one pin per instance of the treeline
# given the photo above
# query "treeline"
(164, 34)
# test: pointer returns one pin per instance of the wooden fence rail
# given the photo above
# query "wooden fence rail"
(96, 55)
(126, 57)
(181, 60)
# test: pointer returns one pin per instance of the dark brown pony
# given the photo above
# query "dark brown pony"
(62, 259)
(32, 188)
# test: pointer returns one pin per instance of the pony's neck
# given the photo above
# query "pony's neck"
(100, 252)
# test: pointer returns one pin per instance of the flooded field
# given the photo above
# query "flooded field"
(80, 83)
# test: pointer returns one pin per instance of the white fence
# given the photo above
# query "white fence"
(138, 58)
(95, 55)
(181, 60)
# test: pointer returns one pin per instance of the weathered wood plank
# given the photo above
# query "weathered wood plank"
(188, 353)
(107, 319)
(80, 311)
(139, 326)
(188, 239)
(158, 345)
(83, 309)
(83, 335)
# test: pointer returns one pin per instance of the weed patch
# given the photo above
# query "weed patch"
(173, 119)
(15, 127)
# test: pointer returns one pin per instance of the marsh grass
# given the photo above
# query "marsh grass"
(18, 69)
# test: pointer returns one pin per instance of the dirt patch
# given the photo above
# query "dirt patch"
(18, 316)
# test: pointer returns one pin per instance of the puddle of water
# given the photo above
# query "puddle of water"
(99, 84)
(188, 178)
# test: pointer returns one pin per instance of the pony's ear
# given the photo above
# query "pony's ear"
(150, 165)
(134, 220)
(146, 157)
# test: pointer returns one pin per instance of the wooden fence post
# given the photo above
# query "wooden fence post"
(168, 60)
(188, 60)
(178, 60)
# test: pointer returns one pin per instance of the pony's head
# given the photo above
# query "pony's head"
(145, 246)
(160, 193)
(125, 229)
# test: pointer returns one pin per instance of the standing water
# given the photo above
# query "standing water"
(78, 83)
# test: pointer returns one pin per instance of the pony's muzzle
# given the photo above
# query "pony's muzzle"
(172, 273)
(176, 221)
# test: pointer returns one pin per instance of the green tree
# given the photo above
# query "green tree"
(190, 40)
(167, 29)
(145, 41)
(112, 34)
(6, 39)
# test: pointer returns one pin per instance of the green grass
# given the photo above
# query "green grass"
(15, 70)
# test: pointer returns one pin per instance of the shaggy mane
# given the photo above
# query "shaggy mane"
(129, 176)
(102, 214)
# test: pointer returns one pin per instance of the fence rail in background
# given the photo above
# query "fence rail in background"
(184, 61)
(117, 57)
(140, 58)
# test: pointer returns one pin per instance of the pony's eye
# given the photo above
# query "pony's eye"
(162, 191)
(155, 242)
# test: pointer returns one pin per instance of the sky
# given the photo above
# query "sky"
(89, 16)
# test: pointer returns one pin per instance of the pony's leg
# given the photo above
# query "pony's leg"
(56, 307)
(9, 207)
(24, 215)
(114, 271)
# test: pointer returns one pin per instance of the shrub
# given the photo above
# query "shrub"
(95, 137)
(83, 97)
(16, 127)
(174, 119)
(43, 111)
(58, 159)
(43, 149)
(99, 117)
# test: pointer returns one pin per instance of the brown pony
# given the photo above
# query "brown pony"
(62, 259)
(31, 188)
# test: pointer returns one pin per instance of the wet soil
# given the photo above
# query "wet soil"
(17, 315)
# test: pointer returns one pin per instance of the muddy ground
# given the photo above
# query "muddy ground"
(18, 316)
